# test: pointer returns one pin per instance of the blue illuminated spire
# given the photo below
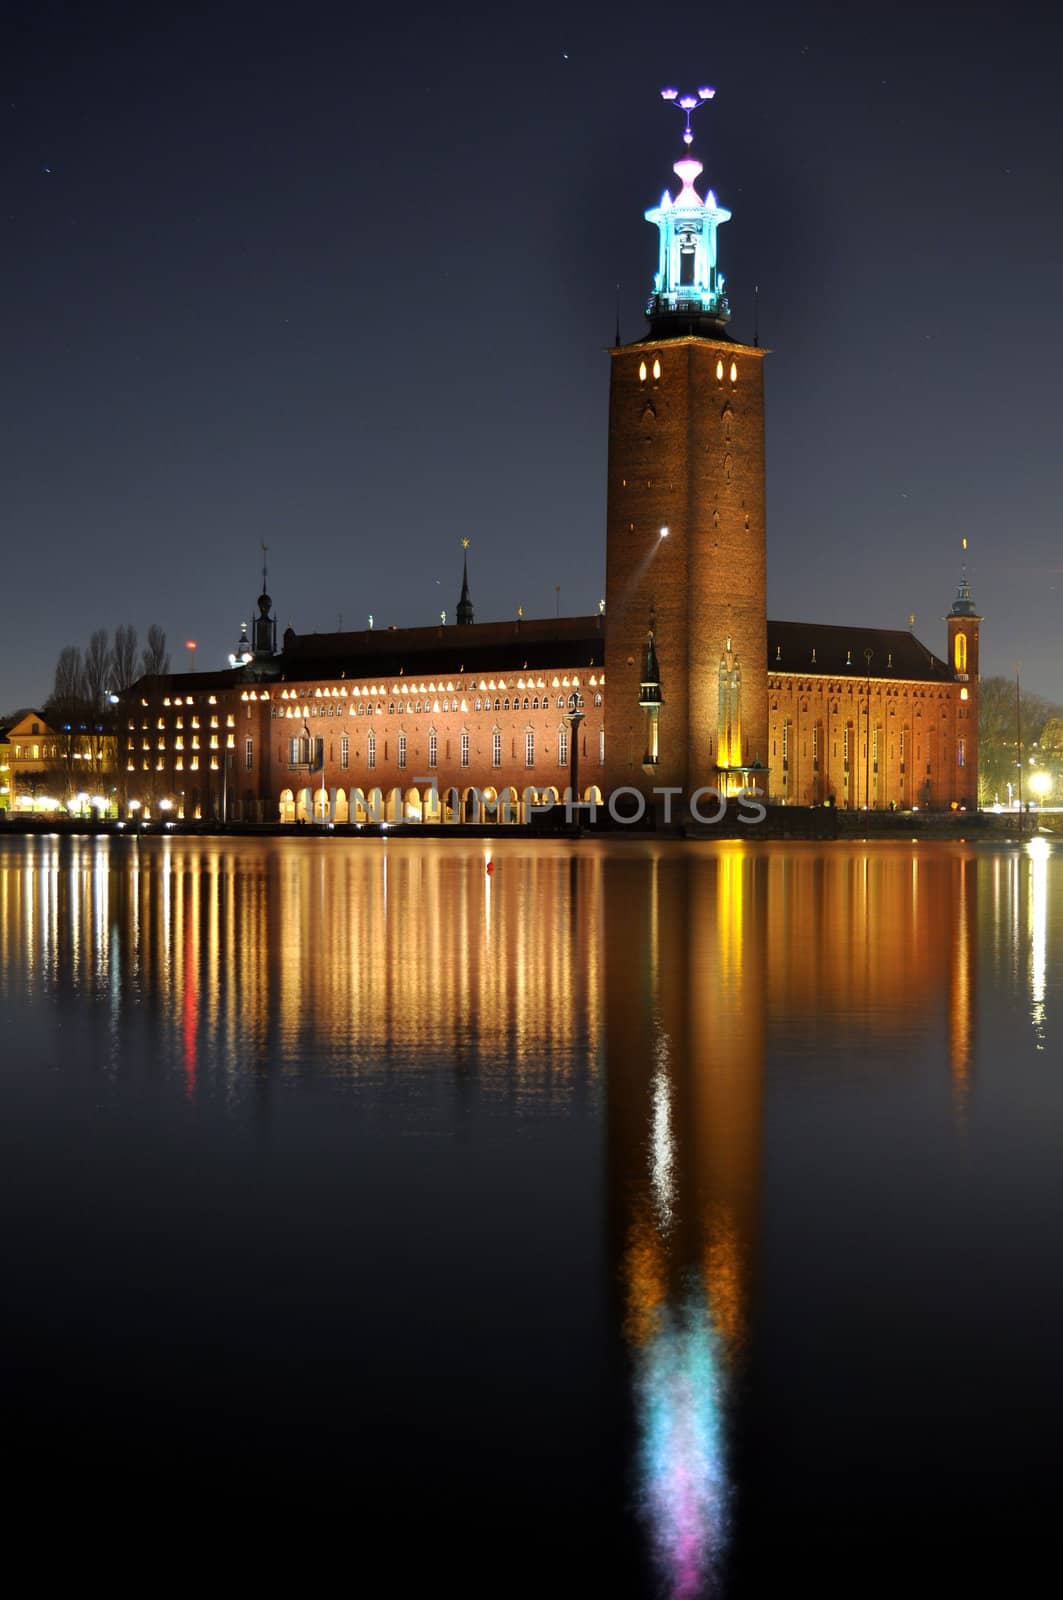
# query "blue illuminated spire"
(688, 287)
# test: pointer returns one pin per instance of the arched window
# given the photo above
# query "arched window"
(960, 653)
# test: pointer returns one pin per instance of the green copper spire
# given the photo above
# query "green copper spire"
(688, 287)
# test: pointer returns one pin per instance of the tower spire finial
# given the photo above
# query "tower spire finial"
(688, 103)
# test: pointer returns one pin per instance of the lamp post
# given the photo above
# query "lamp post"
(574, 716)
(868, 654)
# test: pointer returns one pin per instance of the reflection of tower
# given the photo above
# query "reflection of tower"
(684, 1012)
(686, 517)
(962, 977)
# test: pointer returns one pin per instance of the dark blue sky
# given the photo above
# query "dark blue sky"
(344, 284)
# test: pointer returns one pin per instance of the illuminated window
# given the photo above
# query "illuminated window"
(960, 652)
(496, 749)
(370, 750)
(529, 749)
(433, 748)
(562, 748)
(601, 747)
(656, 368)
(734, 373)
(642, 372)
(465, 749)
(345, 751)
(961, 752)
(963, 694)
(719, 371)
(402, 749)
(249, 754)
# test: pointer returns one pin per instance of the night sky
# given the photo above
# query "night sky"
(343, 281)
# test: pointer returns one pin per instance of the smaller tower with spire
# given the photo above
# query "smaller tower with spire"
(265, 633)
(963, 623)
(465, 613)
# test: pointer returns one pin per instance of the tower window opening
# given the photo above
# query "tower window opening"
(734, 372)
(642, 372)
(960, 656)
(719, 371)
(656, 368)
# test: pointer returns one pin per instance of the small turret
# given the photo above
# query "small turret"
(243, 655)
(650, 697)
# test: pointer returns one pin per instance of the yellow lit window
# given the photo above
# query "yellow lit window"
(734, 373)
(656, 368)
(719, 371)
(960, 656)
(642, 372)
(963, 694)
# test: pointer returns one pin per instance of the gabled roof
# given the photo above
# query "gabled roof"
(22, 727)
(837, 650)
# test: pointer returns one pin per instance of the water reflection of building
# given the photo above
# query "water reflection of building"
(685, 1015)
(727, 959)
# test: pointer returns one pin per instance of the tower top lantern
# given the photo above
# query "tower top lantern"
(688, 287)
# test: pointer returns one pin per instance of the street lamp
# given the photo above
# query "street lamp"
(1041, 784)
(574, 716)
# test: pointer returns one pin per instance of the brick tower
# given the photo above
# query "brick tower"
(963, 621)
(685, 529)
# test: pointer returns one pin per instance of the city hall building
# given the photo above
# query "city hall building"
(682, 682)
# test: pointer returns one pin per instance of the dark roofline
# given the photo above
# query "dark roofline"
(839, 652)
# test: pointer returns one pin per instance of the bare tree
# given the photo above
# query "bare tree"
(154, 659)
(124, 657)
(65, 709)
(97, 663)
(68, 689)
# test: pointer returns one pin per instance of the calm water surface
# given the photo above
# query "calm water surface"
(638, 1220)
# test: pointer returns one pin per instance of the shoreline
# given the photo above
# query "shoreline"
(819, 823)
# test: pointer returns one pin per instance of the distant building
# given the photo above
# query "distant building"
(51, 769)
(684, 683)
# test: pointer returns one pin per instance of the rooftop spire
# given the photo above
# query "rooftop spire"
(963, 605)
(688, 288)
(465, 613)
